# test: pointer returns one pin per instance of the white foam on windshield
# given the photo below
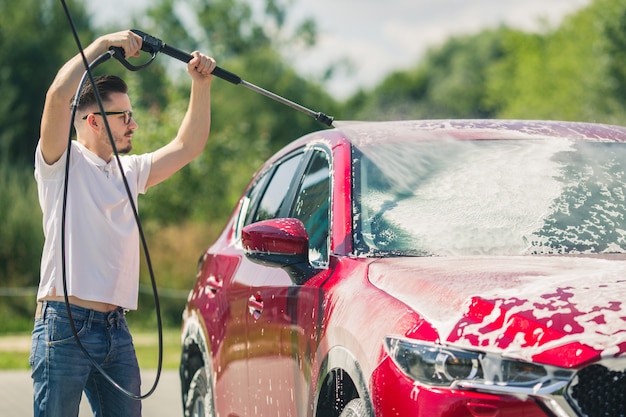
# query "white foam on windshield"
(463, 199)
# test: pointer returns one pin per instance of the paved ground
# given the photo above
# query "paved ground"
(16, 395)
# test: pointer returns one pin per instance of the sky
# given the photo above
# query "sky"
(378, 37)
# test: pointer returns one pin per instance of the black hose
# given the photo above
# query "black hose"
(104, 57)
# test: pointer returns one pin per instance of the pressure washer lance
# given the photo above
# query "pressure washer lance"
(153, 45)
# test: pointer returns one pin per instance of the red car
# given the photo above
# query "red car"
(419, 268)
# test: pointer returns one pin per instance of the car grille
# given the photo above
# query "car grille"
(599, 392)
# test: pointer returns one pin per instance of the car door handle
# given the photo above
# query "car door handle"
(214, 283)
(255, 306)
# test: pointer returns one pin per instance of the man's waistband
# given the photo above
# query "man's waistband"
(78, 312)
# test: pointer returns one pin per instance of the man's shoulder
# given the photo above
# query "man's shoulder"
(141, 158)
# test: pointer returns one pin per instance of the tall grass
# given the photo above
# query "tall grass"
(174, 251)
(21, 239)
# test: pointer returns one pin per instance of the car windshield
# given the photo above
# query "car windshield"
(490, 197)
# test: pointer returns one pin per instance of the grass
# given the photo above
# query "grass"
(15, 349)
(147, 348)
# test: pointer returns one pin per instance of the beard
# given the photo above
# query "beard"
(124, 149)
(122, 143)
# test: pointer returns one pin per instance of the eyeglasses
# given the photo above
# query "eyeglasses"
(128, 115)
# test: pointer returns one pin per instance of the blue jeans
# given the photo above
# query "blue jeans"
(61, 371)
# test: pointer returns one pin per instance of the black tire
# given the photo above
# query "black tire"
(199, 396)
(355, 408)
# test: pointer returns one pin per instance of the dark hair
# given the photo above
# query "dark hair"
(106, 84)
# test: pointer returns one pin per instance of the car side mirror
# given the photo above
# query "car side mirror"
(281, 243)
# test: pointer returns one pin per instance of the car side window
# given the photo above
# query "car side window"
(312, 206)
(274, 197)
(246, 211)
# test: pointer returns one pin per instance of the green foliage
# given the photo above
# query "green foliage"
(449, 83)
(34, 40)
(562, 75)
(226, 28)
(614, 31)
(21, 240)
(574, 72)
(246, 126)
(20, 222)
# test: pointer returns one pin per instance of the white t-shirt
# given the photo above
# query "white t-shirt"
(101, 235)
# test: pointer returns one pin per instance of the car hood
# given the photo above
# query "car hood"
(564, 311)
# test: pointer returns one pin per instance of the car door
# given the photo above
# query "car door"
(282, 324)
(229, 277)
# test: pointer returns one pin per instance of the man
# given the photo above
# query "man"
(102, 242)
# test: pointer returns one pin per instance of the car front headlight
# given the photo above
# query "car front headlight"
(446, 366)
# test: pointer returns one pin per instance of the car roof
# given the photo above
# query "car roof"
(363, 133)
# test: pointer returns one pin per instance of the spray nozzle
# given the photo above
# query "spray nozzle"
(327, 120)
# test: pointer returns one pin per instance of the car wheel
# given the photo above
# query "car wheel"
(355, 408)
(199, 396)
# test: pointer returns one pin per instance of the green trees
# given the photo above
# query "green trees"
(449, 83)
(33, 41)
(246, 127)
(562, 74)
(576, 71)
